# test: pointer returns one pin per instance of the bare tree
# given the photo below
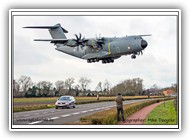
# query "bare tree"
(44, 87)
(69, 82)
(60, 86)
(138, 86)
(77, 89)
(84, 83)
(174, 87)
(107, 86)
(99, 87)
(15, 89)
(24, 83)
(154, 89)
(129, 87)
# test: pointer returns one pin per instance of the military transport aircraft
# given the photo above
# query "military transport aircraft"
(105, 49)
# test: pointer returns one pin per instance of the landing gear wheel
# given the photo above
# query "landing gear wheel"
(96, 60)
(108, 60)
(133, 56)
(92, 60)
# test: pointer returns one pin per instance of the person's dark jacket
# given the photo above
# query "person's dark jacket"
(119, 101)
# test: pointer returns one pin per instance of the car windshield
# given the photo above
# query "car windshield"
(64, 98)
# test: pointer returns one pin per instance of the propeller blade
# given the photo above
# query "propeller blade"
(76, 36)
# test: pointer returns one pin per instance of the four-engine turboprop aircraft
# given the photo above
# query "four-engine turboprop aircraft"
(105, 49)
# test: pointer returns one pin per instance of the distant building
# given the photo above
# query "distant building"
(168, 92)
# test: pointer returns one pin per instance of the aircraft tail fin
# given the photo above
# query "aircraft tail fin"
(56, 31)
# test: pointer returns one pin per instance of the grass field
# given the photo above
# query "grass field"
(26, 104)
(78, 99)
(163, 115)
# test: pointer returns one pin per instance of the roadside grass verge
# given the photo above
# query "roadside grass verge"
(163, 115)
(33, 107)
(110, 116)
(35, 99)
(28, 104)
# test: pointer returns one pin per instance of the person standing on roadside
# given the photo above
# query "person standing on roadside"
(97, 97)
(119, 103)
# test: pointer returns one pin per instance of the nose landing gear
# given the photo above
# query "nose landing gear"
(133, 56)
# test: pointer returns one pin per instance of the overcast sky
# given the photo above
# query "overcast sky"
(40, 60)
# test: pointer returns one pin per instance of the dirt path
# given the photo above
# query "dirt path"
(140, 116)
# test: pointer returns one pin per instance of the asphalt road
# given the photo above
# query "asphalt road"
(60, 116)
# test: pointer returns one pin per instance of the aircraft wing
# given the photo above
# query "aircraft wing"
(61, 41)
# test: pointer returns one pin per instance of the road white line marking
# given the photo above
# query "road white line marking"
(66, 115)
(35, 122)
(54, 118)
(76, 113)
(90, 110)
(97, 109)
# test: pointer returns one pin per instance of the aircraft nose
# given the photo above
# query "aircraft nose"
(144, 44)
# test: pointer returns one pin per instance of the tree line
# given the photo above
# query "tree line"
(24, 87)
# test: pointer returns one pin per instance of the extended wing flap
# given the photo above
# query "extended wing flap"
(61, 41)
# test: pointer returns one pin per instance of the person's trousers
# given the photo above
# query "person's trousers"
(120, 111)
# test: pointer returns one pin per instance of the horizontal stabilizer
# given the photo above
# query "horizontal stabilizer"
(61, 41)
(145, 35)
(47, 27)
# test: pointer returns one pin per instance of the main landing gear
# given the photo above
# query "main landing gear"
(109, 60)
(104, 61)
(92, 60)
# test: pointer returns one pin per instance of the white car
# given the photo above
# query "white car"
(65, 102)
